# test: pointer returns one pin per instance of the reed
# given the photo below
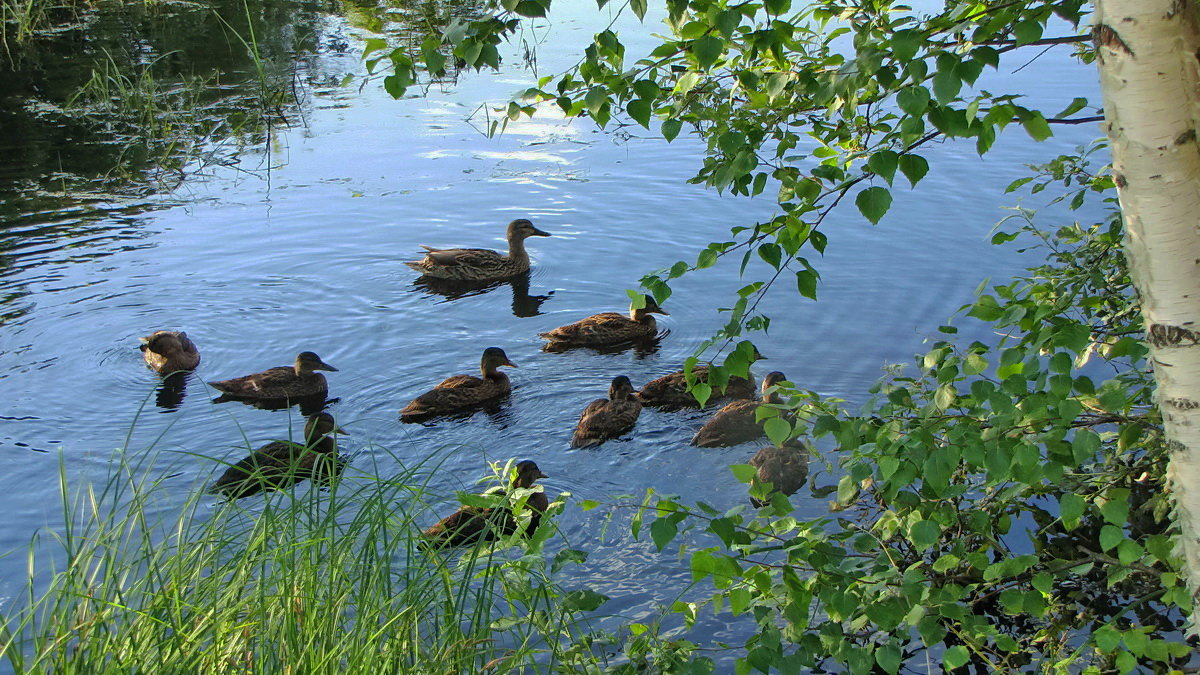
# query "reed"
(303, 581)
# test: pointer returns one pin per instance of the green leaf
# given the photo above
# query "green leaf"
(883, 163)
(905, 44)
(1036, 127)
(946, 86)
(771, 253)
(777, 429)
(639, 8)
(955, 657)
(1070, 509)
(707, 49)
(584, 599)
(670, 129)
(914, 168)
(1027, 31)
(595, 100)
(924, 533)
(1107, 638)
(662, 531)
(1111, 536)
(873, 203)
(639, 109)
(743, 472)
(1116, 507)
(913, 100)
(806, 283)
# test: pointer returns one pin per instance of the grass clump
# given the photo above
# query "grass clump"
(306, 581)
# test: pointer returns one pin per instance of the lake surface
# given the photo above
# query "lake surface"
(298, 245)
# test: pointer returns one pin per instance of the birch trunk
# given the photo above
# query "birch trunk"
(1150, 77)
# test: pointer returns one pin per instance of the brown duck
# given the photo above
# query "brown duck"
(284, 382)
(670, 392)
(480, 264)
(607, 418)
(168, 351)
(609, 328)
(462, 392)
(736, 423)
(472, 524)
(280, 464)
(784, 467)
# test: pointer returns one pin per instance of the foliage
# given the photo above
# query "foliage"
(307, 582)
(1002, 506)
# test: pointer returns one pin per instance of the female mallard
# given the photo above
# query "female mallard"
(670, 392)
(609, 328)
(472, 524)
(284, 382)
(784, 467)
(479, 264)
(280, 464)
(607, 418)
(168, 351)
(463, 391)
(736, 423)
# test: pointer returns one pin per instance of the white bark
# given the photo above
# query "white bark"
(1150, 77)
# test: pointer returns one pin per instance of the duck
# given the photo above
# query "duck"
(670, 392)
(609, 328)
(284, 382)
(785, 467)
(480, 264)
(463, 391)
(473, 524)
(280, 464)
(169, 351)
(610, 417)
(735, 423)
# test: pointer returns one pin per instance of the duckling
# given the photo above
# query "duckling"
(280, 464)
(168, 351)
(736, 423)
(463, 391)
(609, 328)
(480, 264)
(607, 418)
(473, 524)
(784, 467)
(283, 382)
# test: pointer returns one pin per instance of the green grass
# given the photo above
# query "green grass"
(302, 581)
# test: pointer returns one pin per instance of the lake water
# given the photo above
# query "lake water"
(299, 246)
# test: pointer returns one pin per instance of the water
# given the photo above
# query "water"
(300, 245)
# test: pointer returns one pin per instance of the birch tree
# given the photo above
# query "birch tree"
(1150, 79)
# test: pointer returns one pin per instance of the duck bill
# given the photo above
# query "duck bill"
(339, 430)
(542, 475)
(510, 364)
(540, 233)
(324, 366)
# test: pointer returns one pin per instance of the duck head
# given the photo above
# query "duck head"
(621, 389)
(306, 362)
(321, 425)
(651, 307)
(523, 229)
(493, 358)
(527, 473)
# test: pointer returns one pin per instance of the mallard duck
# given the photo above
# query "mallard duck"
(463, 391)
(736, 423)
(784, 467)
(280, 464)
(607, 418)
(609, 328)
(480, 264)
(284, 382)
(168, 351)
(472, 524)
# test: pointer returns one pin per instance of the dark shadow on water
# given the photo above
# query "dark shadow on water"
(171, 391)
(309, 405)
(641, 348)
(523, 304)
(324, 472)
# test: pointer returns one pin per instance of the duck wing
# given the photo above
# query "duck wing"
(733, 424)
(272, 466)
(603, 419)
(455, 393)
(597, 329)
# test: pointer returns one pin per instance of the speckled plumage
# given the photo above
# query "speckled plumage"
(473, 524)
(462, 392)
(168, 351)
(480, 264)
(785, 468)
(280, 464)
(607, 418)
(284, 382)
(609, 328)
(736, 423)
(669, 392)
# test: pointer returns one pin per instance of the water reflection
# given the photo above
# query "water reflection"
(642, 348)
(309, 405)
(523, 304)
(171, 391)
